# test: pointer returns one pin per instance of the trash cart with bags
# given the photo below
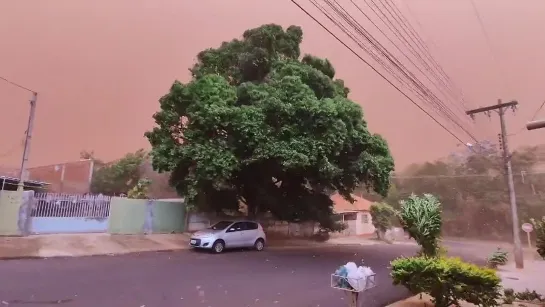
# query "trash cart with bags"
(354, 281)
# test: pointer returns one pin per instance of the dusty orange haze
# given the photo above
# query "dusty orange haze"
(100, 66)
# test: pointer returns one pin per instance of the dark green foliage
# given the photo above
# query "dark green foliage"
(420, 217)
(499, 257)
(382, 216)
(118, 177)
(508, 296)
(448, 280)
(529, 296)
(260, 127)
(525, 296)
(539, 228)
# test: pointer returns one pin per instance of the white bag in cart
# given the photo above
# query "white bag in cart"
(357, 276)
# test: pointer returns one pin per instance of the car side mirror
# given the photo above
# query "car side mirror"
(231, 229)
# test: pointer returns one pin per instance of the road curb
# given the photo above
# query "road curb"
(166, 250)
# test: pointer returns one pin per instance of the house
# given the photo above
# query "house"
(356, 216)
(66, 177)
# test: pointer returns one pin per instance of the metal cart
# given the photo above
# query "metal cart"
(353, 287)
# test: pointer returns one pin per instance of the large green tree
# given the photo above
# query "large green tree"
(258, 125)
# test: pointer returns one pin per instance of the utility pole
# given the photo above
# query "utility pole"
(536, 124)
(500, 108)
(28, 138)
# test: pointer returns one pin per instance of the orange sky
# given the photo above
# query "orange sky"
(100, 66)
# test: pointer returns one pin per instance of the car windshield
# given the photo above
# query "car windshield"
(221, 225)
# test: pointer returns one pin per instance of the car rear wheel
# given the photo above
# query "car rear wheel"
(218, 247)
(259, 245)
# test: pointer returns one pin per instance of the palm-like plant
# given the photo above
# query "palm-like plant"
(420, 217)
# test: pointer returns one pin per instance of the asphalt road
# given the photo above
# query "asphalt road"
(274, 277)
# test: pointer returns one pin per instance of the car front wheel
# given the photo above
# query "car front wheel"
(218, 247)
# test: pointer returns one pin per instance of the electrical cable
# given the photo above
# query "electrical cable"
(16, 84)
(376, 71)
(406, 56)
(379, 47)
(341, 12)
(489, 43)
(394, 44)
(455, 91)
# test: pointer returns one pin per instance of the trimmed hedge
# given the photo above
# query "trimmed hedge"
(448, 280)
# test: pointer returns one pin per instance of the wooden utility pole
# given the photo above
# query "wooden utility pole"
(500, 108)
(28, 138)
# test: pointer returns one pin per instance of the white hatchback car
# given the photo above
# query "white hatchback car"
(230, 234)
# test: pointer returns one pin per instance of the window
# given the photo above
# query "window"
(350, 216)
(251, 226)
(365, 218)
(221, 225)
(240, 226)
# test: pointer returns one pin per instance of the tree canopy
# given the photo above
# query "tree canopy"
(118, 177)
(258, 125)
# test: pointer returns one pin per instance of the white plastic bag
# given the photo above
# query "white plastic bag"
(368, 276)
(355, 278)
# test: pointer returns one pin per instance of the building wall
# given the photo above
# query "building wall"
(76, 178)
(141, 216)
(127, 216)
(365, 224)
(53, 225)
(358, 223)
(168, 217)
(10, 204)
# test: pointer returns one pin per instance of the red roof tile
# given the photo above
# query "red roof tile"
(342, 205)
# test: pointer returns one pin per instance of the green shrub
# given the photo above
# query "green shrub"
(539, 226)
(508, 296)
(499, 257)
(529, 296)
(420, 217)
(382, 216)
(448, 280)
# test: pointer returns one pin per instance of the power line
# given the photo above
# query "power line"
(378, 72)
(403, 38)
(488, 42)
(425, 93)
(16, 84)
(386, 20)
(424, 47)
(397, 47)
(464, 176)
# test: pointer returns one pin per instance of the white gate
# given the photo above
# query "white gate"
(66, 213)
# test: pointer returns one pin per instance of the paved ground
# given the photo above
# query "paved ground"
(275, 277)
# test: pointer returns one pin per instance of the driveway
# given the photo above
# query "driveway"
(275, 277)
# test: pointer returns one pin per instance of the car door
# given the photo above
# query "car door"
(249, 234)
(233, 235)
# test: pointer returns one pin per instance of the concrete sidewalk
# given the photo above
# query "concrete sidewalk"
(91, 244)
(75, 245)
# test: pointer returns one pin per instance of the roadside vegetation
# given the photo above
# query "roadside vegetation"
(449, 281)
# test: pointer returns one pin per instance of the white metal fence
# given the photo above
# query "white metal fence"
(68, 205)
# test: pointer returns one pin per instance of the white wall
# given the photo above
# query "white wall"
(364, 223)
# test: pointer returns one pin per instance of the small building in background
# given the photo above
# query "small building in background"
(66, 177)
(8, 183)
(356, 216)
